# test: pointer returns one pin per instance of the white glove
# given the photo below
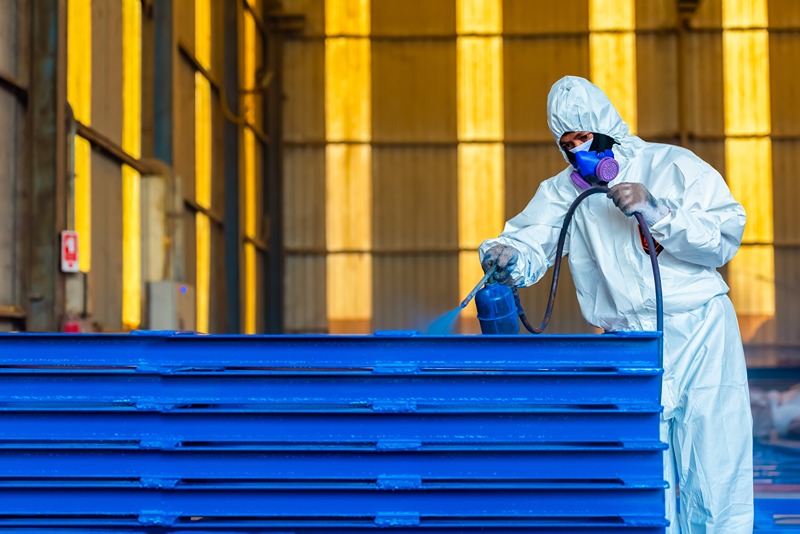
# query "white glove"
(631, 198)
(505, 257)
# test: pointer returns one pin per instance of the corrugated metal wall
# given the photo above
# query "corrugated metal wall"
(13, 135)
(687, 78)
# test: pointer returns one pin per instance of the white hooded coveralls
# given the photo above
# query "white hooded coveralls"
(706, 419)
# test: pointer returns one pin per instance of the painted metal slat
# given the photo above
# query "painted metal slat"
(331, 433)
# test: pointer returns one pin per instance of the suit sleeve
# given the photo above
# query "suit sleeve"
(705, 223)
(534, 233)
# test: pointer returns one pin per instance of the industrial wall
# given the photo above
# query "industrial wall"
(340, 178)
(414, 129)
(145, 127)
(13, 136)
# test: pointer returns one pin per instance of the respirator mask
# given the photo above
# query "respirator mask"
(593, 162)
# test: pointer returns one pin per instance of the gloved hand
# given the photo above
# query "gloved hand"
(633, 197)
(505, 257)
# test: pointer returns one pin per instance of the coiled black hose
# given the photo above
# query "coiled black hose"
(557, 270)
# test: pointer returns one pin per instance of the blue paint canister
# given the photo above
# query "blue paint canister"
(497, 310)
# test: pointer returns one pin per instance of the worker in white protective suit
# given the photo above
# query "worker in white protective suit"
(698, 227)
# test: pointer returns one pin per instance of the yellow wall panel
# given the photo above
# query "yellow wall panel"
(479, 16)
(747, 99)
(347, 17)
(347, 89)
(744, 13)
(525, 96)
(349, 291)
(79, 58)
(132, 77)
(304, 90)
(613, 68)
(83, 201)
(480, 88)
(249, 42)
(749, 174)
(202, 145)
(607, 15)
(414, 198)
(251, 288)
(203, 274)
(751, 276)
(481, 192)
(202, 32)
(413, 91)
(131, 143)
(413, 17)
(250, 190)
(348, 196)
(131, 249)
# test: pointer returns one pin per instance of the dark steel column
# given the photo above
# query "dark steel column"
(163, 73)
(47, 100)
(230, 84)
(273, 190)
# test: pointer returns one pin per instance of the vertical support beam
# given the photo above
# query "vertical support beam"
(230, 81)
(273, 192)
(47, 115)
(163, 76)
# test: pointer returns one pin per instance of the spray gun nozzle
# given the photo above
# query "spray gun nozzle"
(485, 279)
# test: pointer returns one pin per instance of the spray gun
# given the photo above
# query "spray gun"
(499, 306)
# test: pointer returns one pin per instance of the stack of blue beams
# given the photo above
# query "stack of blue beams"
(311, 434)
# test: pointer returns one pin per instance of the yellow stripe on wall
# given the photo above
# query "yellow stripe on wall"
(203, 161)
(79, 95)
(612, 50)
(131, 257)
(250, 301)
(348, 168)
(748, 156)
(83, 201)
(131, 143)
(479, 17)
(347, 17)
(480, 128)
(249, 197)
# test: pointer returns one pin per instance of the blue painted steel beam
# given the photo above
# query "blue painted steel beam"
(585, 463)
(382, 429)
(602, 501)
(331, 433)
(313, 387)
(391, 354)
(205, 528)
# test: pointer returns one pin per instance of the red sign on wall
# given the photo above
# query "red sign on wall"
(69, 251)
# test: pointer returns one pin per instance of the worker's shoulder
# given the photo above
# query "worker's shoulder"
(684, 159)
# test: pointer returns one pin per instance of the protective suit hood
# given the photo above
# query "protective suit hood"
(577, 105)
